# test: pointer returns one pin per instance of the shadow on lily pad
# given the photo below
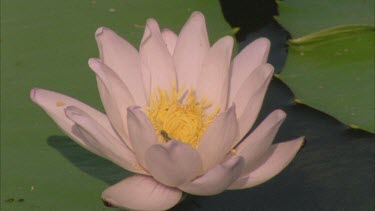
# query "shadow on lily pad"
(86, 161)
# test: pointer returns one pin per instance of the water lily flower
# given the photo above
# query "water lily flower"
(177, 114)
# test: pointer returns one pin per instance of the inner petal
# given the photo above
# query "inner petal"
(180, 115)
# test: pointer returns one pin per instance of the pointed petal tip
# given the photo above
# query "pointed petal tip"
(33, 93)
(263, 41)
(236, 160)
(229, 41)
(39, 95)
(198, 16)
(99, 31)
(303, 143)
(94, 64)
(107, 203)
(152, 24)
(195, 13)
(166, 30)
(72, 112)
(268, 69)
(280, 114)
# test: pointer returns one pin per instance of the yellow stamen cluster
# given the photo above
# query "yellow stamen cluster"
(178, 115)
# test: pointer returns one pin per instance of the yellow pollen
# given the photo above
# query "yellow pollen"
(59, 104)
(179, 115)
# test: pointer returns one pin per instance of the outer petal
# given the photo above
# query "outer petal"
(110, 146)
(173, 163)
(115, 96)
(217, 179)
(156, 58)
(141, 133)
(170, 39)
(141, 193)
(272, 163)
(255, 54)
(214, 78)
(258, 142)
(218, 138)
(191, 48)
(123, 59)
(250, 97)
(54, 105)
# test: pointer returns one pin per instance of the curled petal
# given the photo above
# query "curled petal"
(217, 179)
(255, 54)
(191, 48)
(173, 163)
(120, 56)
(170, 39)
(258, 142)
(218, 138)
(115, 96)
(214, 79)
(110, 146)
(277, 157)
(141, 192)
(156, 58)
(141, 133)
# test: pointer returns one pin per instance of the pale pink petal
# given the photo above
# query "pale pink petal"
(123, 59)
(170, 39)
(156, 58)
(109, 145)
(217, 179)
(141, 133)
(250, 97)
(191, 48)
(277, 157)
(258, 79)
(173, 163)
(213, 81)
(141, 193)
(255, 54)
(55, 104)
(116, 97)
(218, 138)
(258, 142)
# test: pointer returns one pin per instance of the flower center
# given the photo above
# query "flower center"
(178, 115)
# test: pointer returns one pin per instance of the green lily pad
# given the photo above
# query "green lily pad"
(331, 67)
(47, 44)
(301, 18)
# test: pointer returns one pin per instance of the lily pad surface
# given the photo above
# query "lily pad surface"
(331, 67)
(301, 18)
(47, 44)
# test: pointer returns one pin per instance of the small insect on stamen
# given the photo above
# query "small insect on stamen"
(165, 135)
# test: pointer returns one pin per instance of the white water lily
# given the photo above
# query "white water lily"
(177, 114)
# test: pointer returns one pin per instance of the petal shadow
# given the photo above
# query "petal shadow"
(86, 161)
